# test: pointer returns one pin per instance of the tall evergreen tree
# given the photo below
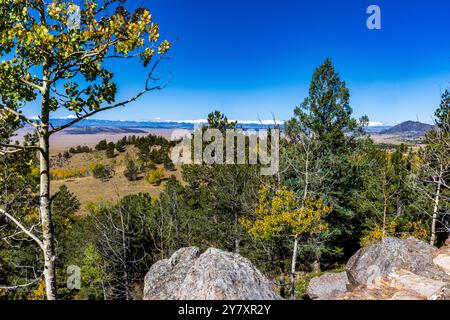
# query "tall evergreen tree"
(321, 140)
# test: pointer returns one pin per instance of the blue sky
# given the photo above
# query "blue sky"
(254, 58)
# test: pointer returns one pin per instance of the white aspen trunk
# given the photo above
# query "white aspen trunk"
(294, 252)
(48, 236)
(294, 262)
(46, 217)
(435, 209)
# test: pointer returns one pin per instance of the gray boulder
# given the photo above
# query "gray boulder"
(383, 258)
(330, 286)
(392, 269)
(212, 275)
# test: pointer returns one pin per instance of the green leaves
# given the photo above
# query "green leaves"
(40, 45)
(13, 92)
(443, 112)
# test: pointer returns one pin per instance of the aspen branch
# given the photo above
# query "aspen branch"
(20, 116)
(18, 148)
(31, 84)
(25, 230)
(14, 287)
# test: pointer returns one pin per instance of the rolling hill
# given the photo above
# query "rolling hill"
(409, 128)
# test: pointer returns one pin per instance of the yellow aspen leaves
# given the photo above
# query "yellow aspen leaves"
(164, 47)
(282, 213)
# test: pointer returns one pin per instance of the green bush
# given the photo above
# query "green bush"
(80, 149)
(155, 176)
(102, 145)
(99, 171)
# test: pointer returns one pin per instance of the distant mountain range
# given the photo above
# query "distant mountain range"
(125, 124)
(95, 126)
(105, 130)
(409, 128)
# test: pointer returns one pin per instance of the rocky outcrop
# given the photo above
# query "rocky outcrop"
(392, 269)
(442, 258)
(330, 286)
(212, 275)
(381, 258)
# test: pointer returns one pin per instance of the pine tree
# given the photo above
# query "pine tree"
(131, 171)
(102, 145)
(317, 157)
(110, 150)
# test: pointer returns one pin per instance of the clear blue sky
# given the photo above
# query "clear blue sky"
(254, 58)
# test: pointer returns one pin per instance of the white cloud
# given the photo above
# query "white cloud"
(200, 121)
(375, 124)
(266, 122)
(70, 116)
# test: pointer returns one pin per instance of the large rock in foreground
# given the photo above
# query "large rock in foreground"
(212, 275)
(384, 257)
(392, 269)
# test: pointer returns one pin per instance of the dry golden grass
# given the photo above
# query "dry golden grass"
(88, 189)
(393, 139)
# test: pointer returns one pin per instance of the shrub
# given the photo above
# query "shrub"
(80, 149)
(157, 155)
(155, 176)
(168, 164)
(62, 174)
(99, 171)
(102, 145)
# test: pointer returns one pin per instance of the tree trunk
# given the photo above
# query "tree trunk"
(282, 285)
(237, 241)
(294, 261)
(45, 210)
(46, 217)
(435, 210)
(176, 221)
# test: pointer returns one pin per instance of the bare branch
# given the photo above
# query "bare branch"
(25, 230)
(14, 287)
(18, 148)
